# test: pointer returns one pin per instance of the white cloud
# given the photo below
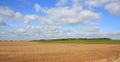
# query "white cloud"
(5, 11)
(21, 30)
(87, 15)
(51, 32)
(96, 3)
(18, 16)
(62, 3)
(2, 22)
(8, 14)
(29, 18)
(38, 8)
(35, 32)
(113, 7)
(69, 15)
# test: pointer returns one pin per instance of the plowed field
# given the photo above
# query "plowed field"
(58, 52)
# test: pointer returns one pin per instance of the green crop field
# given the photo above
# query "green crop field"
(81, 41)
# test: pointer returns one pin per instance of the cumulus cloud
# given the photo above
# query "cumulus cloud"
(68, 15)
(5, 11)
(38, 8)
(2, 22)
(96, 3)
(17, 16)
(29, 18)
(8, 14)
(113, 7)
(62, 3)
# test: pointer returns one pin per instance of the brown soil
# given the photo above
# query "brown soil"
(52, 52)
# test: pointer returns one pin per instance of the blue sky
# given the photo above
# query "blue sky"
(48, 19)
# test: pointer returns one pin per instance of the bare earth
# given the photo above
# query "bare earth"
(54, 52)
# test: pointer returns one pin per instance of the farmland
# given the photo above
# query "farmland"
(58, 51)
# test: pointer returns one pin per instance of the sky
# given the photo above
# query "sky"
(51, 19)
